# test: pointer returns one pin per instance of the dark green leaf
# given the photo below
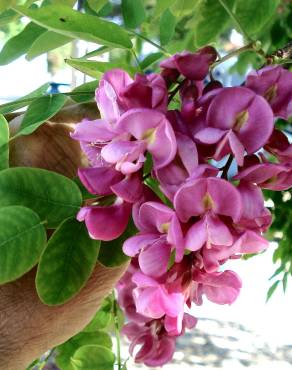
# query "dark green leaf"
(67, 263)
(96, 69)
(8, 16)
(22, 239)
(39, 111)
(47, 41)
(166, 27)
(20, 44)
(4, 147)
(88, 87)
(24, 101)
(52, 196)
(151, 59)
(93, 357)
(254, 14)
(285, 281)
(111, 253)
(64, 20)
(133, 13)
(272, 289)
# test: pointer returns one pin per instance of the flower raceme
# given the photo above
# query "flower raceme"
(164, 166)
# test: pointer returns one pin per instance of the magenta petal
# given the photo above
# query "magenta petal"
(188, 152)
(210, 135)
(130, 189)
(117, 151)
(196, 236)
(163, 352)
(252, 242)
(107, 223)
(175, 238)
(98, 180)
(106, 99)
(153, 217)
(163, 145)
(236, 147)
(217, 232)
(173, 325)
(154, 259)
(93, 131)
(133, 245)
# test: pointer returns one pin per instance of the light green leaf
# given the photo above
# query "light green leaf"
(67, 350)
(96, 5)
(47, 41)
(161, 6)
(8, 16)
(133, 13)
(181, 8)
(22, 239)
(52, 196)
(24, 101)
(6, 4)
(102, 318)
(4, 140)
(254, 14)
(285, 281)
(88, 87)
(39, 111)
(99, 51)
(67, 263)
(166, 27)
(93, 357)
(96, 69)
(69, 22)
(19, 44)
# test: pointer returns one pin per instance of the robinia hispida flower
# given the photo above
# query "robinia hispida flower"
(178, 252)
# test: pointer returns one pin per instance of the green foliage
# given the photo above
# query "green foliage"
(133, 13)
(68, 22)
(22, 239)
(93, 357)
(166, 27)
(52, 196)
(25, 100)
(47, 41)
(87, 91)
(67, 263)
(103, 317)
(39, 111)
(4, 147)
(21, 43)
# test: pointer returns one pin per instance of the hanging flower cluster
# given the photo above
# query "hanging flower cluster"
(210, 216)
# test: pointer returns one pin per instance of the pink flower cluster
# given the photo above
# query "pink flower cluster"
(212, 216)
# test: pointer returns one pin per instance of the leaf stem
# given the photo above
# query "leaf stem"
(235, 19)
(149, 41)
(117, 330)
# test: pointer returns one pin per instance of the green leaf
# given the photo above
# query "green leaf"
(89, 87)
(67, 350)
(161, 6)
(285, 281)
(5, 4)
(102, 318)
(52, 196)
(96, 5)
(96, 52)
(4, 140)
(67, 263)
(272, 290)
(69, 22)
(24, 101)
(254, 14)
(96, 69)
(22, 239)
(209, 20)
(8, 16)
(93, 357)
(47, 41)
(20, 44)
(39, 111)
(166, 27)
(151, 59)
(133, 13)
(111, 253)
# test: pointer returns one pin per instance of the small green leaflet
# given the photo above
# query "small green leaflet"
(91, 357)
(133, 13)
(4, 146)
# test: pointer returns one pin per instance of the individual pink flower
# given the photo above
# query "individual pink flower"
(279, 146)
(160, 233)
(219, 287)
(273, 176)
(237, 121)
(274, 83)
(151, 131)
(193, 66)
